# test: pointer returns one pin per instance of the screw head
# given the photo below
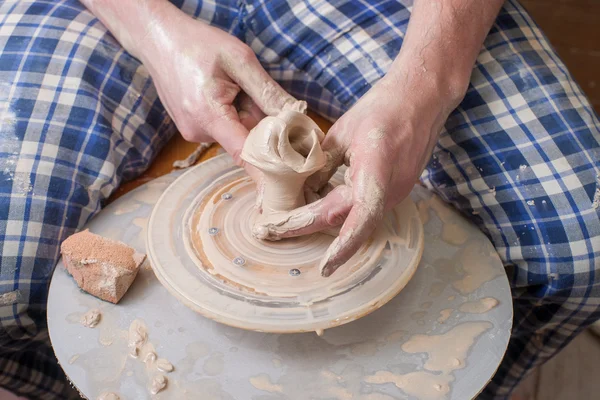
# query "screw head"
(213, 231)
(226, 196)
(239, 261)
(294, 272)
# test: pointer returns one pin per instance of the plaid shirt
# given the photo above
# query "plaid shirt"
(519, 157)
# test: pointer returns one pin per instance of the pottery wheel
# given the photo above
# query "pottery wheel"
(200, 246)
(369, 359)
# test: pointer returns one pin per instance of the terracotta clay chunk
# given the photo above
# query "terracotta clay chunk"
(103, 267)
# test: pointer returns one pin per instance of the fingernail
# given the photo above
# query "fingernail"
(328, 269)
(334, 218)
(328, 264)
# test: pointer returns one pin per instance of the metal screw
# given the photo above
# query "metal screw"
(294, 272)
(239, 261)
(213, 231)
(226, 196)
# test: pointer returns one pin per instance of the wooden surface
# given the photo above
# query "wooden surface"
(572, 375)
(573, 28)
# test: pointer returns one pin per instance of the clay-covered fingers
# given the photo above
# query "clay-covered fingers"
(243, 68)
(249, 112)
(369, 195)
(334, 147)
(321, 215)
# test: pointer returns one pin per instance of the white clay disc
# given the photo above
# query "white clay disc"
(201, 250)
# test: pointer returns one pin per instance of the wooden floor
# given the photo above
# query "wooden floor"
(574, 374)
(573, 28)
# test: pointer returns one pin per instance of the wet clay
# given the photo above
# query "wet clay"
(142, 349)
(479, 306)
(263, 382)
(478, 268)
(452, 231)
(108, 396)
(91, 318)
(447, 352)
(138, 335)
(422, 385)
(218, 244)
(158, 383)
(164, 365)
(287, 149)
(444, 315)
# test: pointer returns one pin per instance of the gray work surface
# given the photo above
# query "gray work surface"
(214, 361)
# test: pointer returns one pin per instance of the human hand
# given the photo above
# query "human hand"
(211, 84)
(214, 87)
(386, 140)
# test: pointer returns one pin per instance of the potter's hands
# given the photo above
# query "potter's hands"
(385, 140)
(214, 88)
(387, 137)
(211, 84)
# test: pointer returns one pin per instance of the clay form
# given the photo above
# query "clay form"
(221, 270)
(102, 267)
(287, 149)
(91, 318)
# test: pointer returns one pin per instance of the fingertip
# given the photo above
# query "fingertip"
(358, 226)
(328, 212)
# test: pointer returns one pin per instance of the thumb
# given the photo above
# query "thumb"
(232, 135)
(249, 74)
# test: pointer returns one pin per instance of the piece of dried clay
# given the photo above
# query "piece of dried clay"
(150, 357)
(164, 365)
(159, 382)
(193, 157)
(91, 318)
(138, 335)
(103, 267)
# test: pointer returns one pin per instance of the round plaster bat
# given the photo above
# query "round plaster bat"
(202, 250)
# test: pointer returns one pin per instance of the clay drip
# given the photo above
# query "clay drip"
(287, 149)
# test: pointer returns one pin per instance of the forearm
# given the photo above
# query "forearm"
(441, 45)
(132, 22)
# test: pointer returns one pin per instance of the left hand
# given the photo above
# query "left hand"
(386, 140)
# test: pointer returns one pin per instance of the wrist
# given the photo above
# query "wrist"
(441, 89)
(129, 21)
